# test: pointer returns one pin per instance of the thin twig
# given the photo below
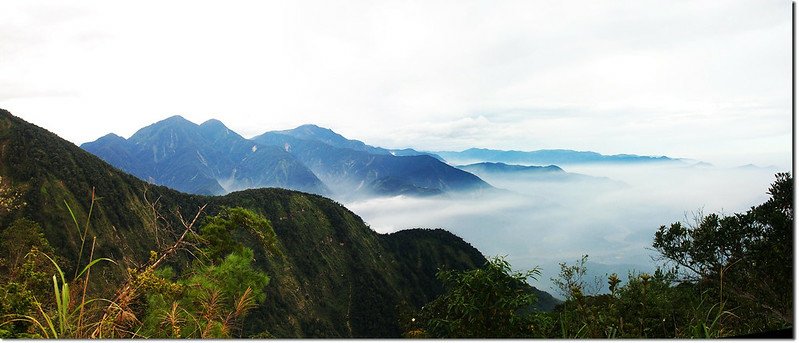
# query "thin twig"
(128, 291)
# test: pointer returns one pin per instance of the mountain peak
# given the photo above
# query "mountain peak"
(108, 140)
(213, 122)
(111, 136)
(174, 120)
(214, 130)
(311, 127)
(314, 131)
(214, 125)
(330, 137)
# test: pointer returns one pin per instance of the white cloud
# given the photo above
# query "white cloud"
(545, 223)
(597, 75)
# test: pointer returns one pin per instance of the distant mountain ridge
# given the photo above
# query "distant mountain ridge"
(498, 173)
(498, 167)
(329, 137)
(544, 157)
(333, 276)
(211, 159)
(361, 173)
(412, 152)
(207, 159)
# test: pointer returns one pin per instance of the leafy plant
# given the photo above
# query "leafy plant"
(208, 303)
(215, 293)
(68, 320)
(746, 257)
(489, 302)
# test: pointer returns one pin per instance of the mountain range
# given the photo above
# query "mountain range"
(497, 170)
(558, 157)
(207, 159)
(332, 275)
(211, 159)
(350, 168)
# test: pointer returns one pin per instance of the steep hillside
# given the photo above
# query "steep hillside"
(205, 159)
(357, 173)
(332, 276)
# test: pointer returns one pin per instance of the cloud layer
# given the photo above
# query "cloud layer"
(544, 223)
(707, 80)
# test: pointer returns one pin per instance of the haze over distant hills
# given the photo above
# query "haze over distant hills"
(544, 157)
(494, 170)
(514, 177)
(212, 159)
(353, 168)
(330, 274)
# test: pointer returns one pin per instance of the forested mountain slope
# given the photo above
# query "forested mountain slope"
(332, 276)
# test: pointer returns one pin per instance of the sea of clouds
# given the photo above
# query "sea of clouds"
(611, 218)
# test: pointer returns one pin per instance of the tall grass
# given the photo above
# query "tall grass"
(69, 319)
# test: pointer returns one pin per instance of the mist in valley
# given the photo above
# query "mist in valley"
(609, 212)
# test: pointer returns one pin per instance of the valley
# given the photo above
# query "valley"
(413, 215)
(539, 208)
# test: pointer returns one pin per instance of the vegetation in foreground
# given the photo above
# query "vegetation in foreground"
(330, 274)
(206, 300)
(722, 276)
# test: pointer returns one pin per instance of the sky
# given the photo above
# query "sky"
(706, 80)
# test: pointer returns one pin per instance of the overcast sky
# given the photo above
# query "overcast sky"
(708, 80)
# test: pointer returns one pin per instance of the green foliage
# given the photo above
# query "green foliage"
(10, 198)
(739, 280)
(488, 302)
(207, 303)
(17, 240)
(222, 233)
(332, 276)
(219, 289)
(646, 306)
(68, 316)
(23, 273)
(232, 277)
(571, 281)
(745, 258)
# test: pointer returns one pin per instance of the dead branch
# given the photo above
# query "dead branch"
(128, 292)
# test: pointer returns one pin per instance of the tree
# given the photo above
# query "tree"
(220, 288)
(492, 301)
(222, 233)
(746, 258)
(209, 303)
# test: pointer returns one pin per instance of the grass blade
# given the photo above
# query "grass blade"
(63, 279)
(94, 262)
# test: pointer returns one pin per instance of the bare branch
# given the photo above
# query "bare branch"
(128, 292)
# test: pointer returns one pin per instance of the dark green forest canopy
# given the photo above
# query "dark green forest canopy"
(332, 276)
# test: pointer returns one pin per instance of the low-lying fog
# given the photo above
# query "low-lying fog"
(542, 223)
